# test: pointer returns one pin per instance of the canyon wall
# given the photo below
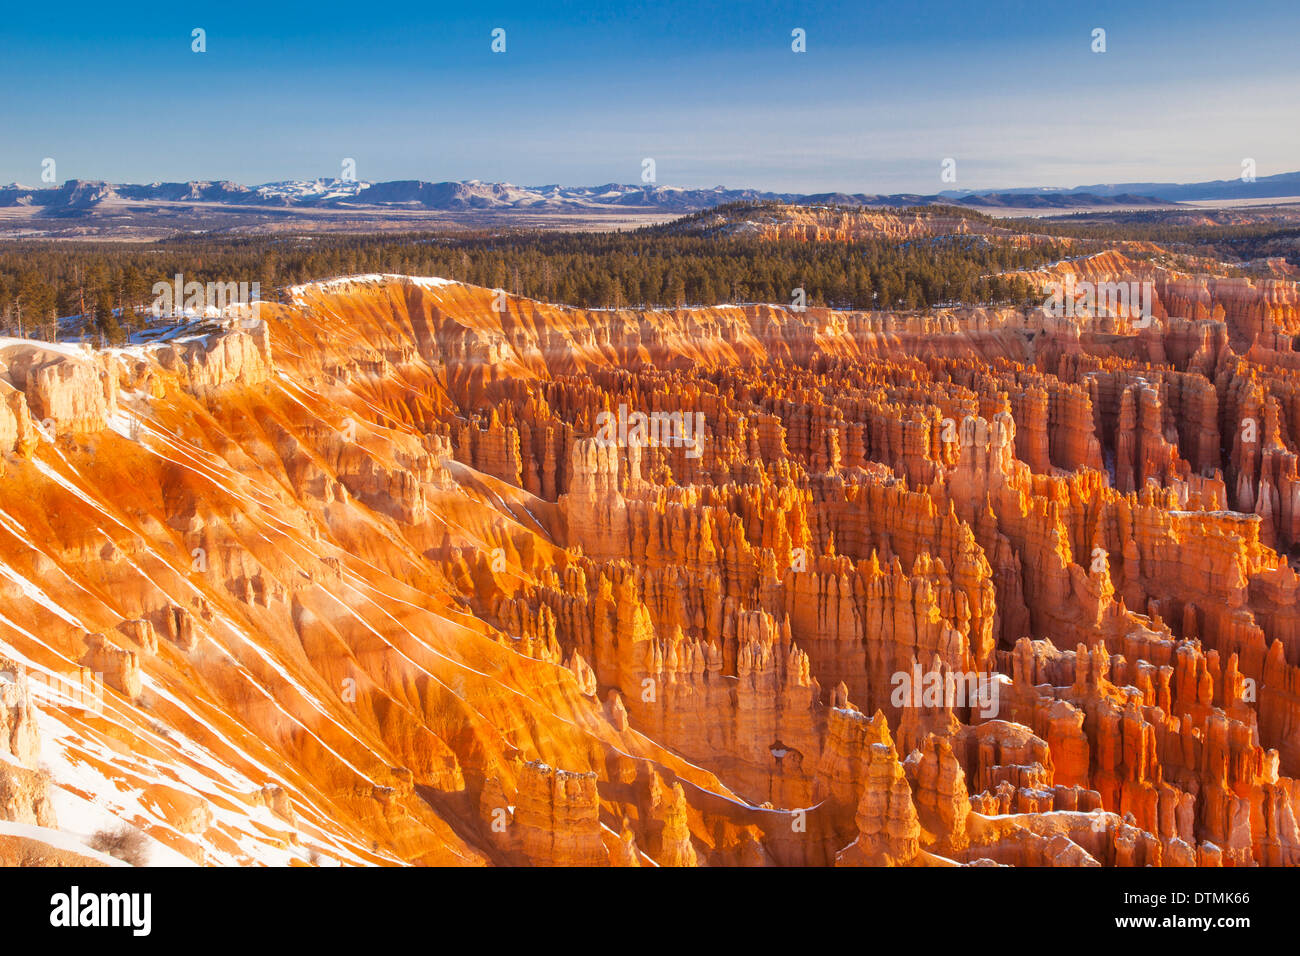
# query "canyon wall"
(412, 572)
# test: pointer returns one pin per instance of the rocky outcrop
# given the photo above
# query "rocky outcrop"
(364, 602)
(24, 786)
(63, 390)
(888, 828)
(237, 351)
(557, 817)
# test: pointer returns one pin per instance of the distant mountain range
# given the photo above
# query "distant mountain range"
(1263, 187)
(77, 198)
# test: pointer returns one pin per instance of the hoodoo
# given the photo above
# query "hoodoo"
(364, 580)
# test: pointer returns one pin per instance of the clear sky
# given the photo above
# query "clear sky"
(712, 91)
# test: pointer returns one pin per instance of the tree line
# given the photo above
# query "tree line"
(105, 289)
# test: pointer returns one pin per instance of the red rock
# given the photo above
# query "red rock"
(385, 555)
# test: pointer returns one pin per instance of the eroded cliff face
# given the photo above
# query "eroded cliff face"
(838, 224)
(412, 572)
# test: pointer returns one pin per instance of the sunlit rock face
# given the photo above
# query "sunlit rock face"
(408, 571)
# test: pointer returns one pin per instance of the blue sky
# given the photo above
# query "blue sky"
(712, 91)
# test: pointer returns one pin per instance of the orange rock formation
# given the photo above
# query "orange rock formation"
(366, 581)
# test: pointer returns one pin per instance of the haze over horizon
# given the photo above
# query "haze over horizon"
(713, 93)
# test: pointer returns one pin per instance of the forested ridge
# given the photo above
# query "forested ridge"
(109, 286)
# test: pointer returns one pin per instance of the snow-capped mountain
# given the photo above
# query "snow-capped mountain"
(80, 196)
(75, 198)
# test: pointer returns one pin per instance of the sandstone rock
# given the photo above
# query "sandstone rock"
(406, 575)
